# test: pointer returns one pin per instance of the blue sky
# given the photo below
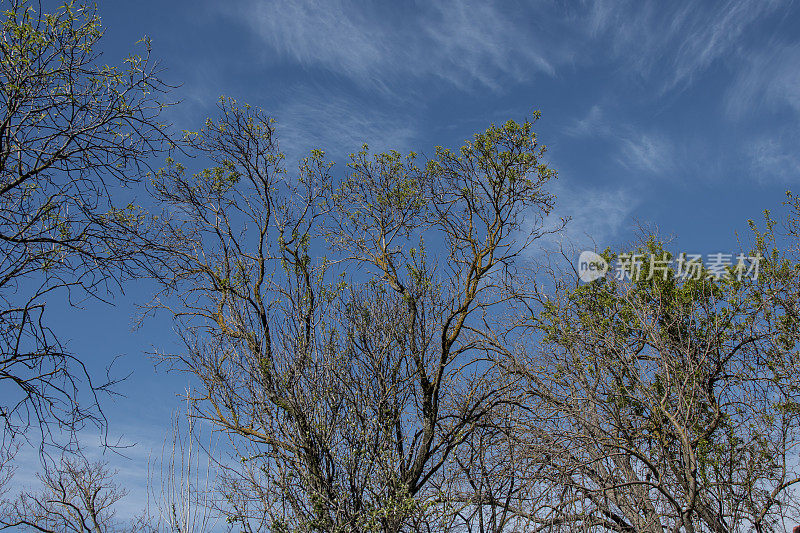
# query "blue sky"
(681, 116)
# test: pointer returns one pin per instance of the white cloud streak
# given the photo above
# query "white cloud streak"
(597, 216)
(340, 126)
(464, 44)
(649, 152)
(769, 77)
(673, 42)
(774, 159)
(486, 44)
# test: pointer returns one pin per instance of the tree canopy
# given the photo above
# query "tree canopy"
(374, 345)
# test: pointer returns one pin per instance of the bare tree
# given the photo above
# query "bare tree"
(8, 451)
(344, 363)
(77, 496)
(73, 131)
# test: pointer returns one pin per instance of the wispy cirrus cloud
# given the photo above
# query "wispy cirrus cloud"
(644, 151)
(396, 55)
(464, 44)
(768, 77)
(594, 123)
(329, 34)
(597, 216)
(647, 152)
(671, 43)
(774, 158)
(483, 43)
(768, 84)
(340, 125)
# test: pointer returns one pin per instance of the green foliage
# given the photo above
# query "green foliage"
(690, 379)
